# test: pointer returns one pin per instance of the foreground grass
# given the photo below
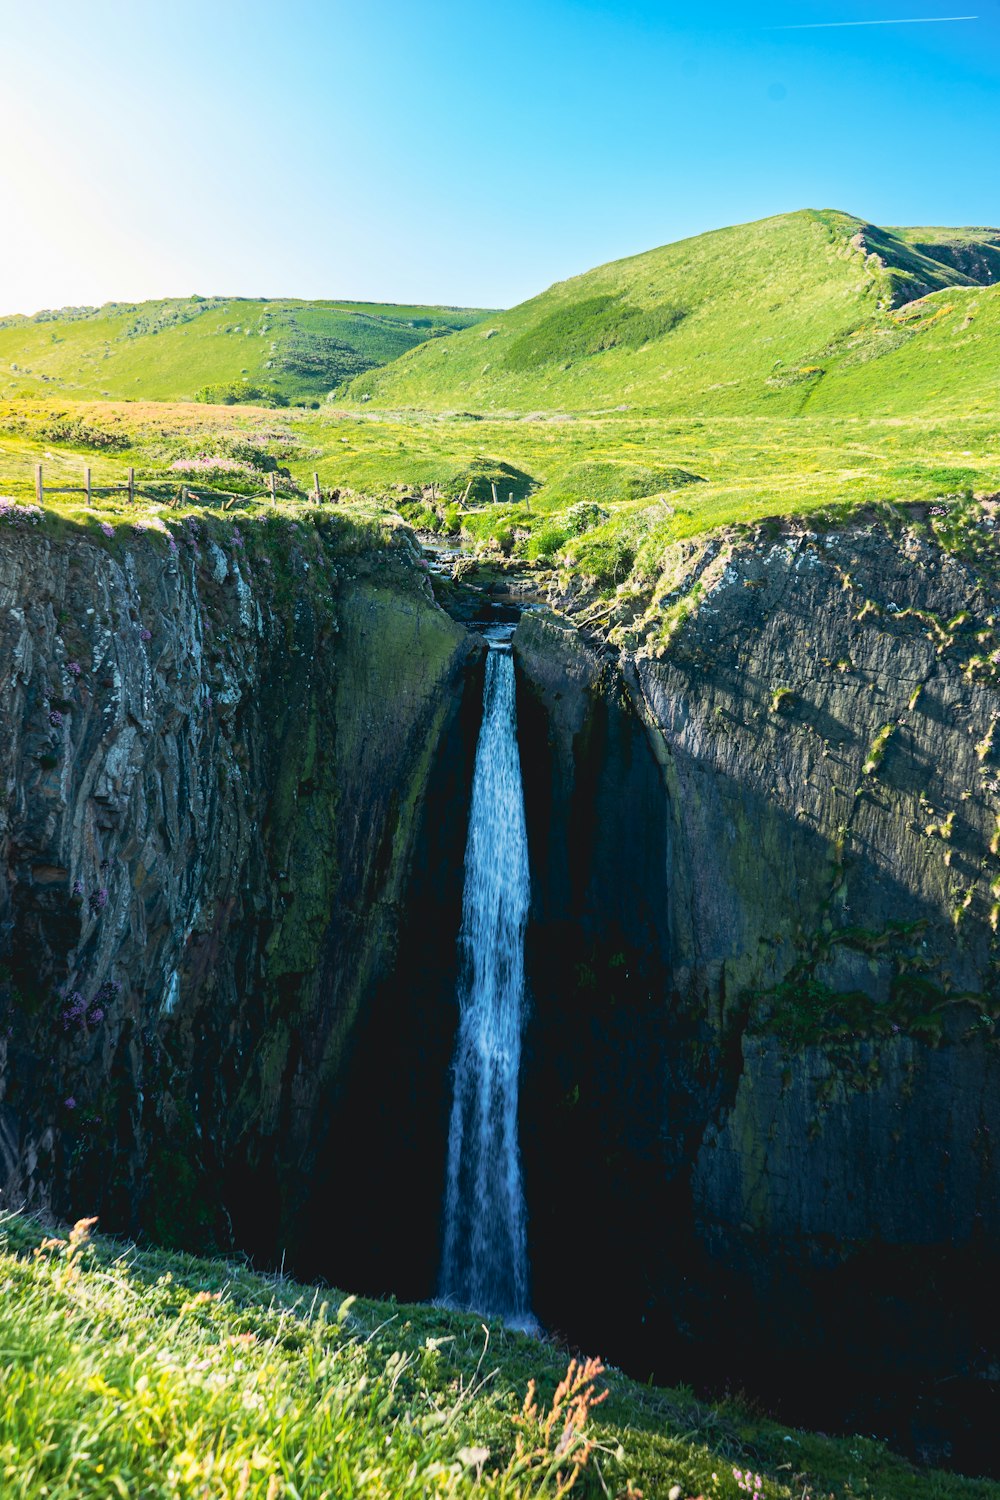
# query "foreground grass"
(136, 1373)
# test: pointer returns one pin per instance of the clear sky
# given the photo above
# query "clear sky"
(466, 153)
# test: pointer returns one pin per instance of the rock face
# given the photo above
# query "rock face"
(762, 1062)
(214, 750)
(823, 1049)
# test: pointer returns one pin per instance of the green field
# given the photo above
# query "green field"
(169, 350)
(136, 1373)
(770, 370)
(647, 482)
(812, 312)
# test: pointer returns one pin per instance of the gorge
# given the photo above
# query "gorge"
(759, 1084)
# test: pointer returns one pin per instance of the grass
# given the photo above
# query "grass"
(803, 312)
(603, 497)
(139, 1373)
(168, 350)
(769, 370)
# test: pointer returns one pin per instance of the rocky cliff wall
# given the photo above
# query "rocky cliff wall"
(215, 744)
(823, 1050)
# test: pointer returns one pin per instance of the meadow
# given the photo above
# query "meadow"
(582, 492)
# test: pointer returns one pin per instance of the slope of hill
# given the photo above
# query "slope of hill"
(812, 308)
(132, 1372)
(167, 350)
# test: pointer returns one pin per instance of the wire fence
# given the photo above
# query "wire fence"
(153, 489)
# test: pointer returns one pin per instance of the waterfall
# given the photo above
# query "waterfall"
(485, 1260)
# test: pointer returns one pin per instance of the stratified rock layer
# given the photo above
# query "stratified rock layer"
(214, 751)
(823, 1059)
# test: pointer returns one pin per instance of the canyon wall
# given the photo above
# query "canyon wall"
(762, 1068)
(802, 1149)
(215, 747)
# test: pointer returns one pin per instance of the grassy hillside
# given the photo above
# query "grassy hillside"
(809, 311)
(137, 1373)
(167, 350)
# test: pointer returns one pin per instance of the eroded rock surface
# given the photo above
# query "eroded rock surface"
(822, 709)
(213, 754)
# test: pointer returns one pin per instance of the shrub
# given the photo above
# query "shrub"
(233, 392)
(546, 541)
(584, 516)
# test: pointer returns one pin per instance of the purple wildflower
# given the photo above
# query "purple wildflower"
(145, 635)
(98, 900)
(73, 668)
(18, 515)
(55, 719)
(74, 1012)
(95, 1015)
(108, 530)
(78, 888)
(208, 464)
(70, 1103)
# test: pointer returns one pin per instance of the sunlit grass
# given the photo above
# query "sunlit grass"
(741, 469)
(136, 1373)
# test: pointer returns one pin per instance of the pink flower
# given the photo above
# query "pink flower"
(109, 531)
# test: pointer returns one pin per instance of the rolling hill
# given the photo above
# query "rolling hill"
(168, 350)
(813, 310)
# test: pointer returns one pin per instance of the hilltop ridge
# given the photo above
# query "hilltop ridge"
(168, 349)
(763, 318)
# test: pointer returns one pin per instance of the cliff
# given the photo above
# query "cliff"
(761, 1066)
(215, 746)
(814, 1079)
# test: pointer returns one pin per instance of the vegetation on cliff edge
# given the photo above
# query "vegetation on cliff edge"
(136, 1372)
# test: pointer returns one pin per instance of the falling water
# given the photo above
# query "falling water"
(485, 1261)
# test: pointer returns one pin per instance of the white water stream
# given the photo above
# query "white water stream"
(485, 1260)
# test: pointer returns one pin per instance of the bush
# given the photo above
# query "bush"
(584, 516)
(546, 541)
(590, 326)
(233, 392)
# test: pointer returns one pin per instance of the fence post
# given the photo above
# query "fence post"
(131, 486)
(319, 492)
(86, 485)
(39, 486)
(271, 482)
(494, 489)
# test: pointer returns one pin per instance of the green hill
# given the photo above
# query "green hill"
(165, 351)
(132, 1373)
(813, 310)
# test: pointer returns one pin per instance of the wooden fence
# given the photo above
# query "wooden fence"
(148, 487)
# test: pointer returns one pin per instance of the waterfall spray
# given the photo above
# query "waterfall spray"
(485, 1260)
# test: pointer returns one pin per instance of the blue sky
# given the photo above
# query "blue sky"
(463, 153)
